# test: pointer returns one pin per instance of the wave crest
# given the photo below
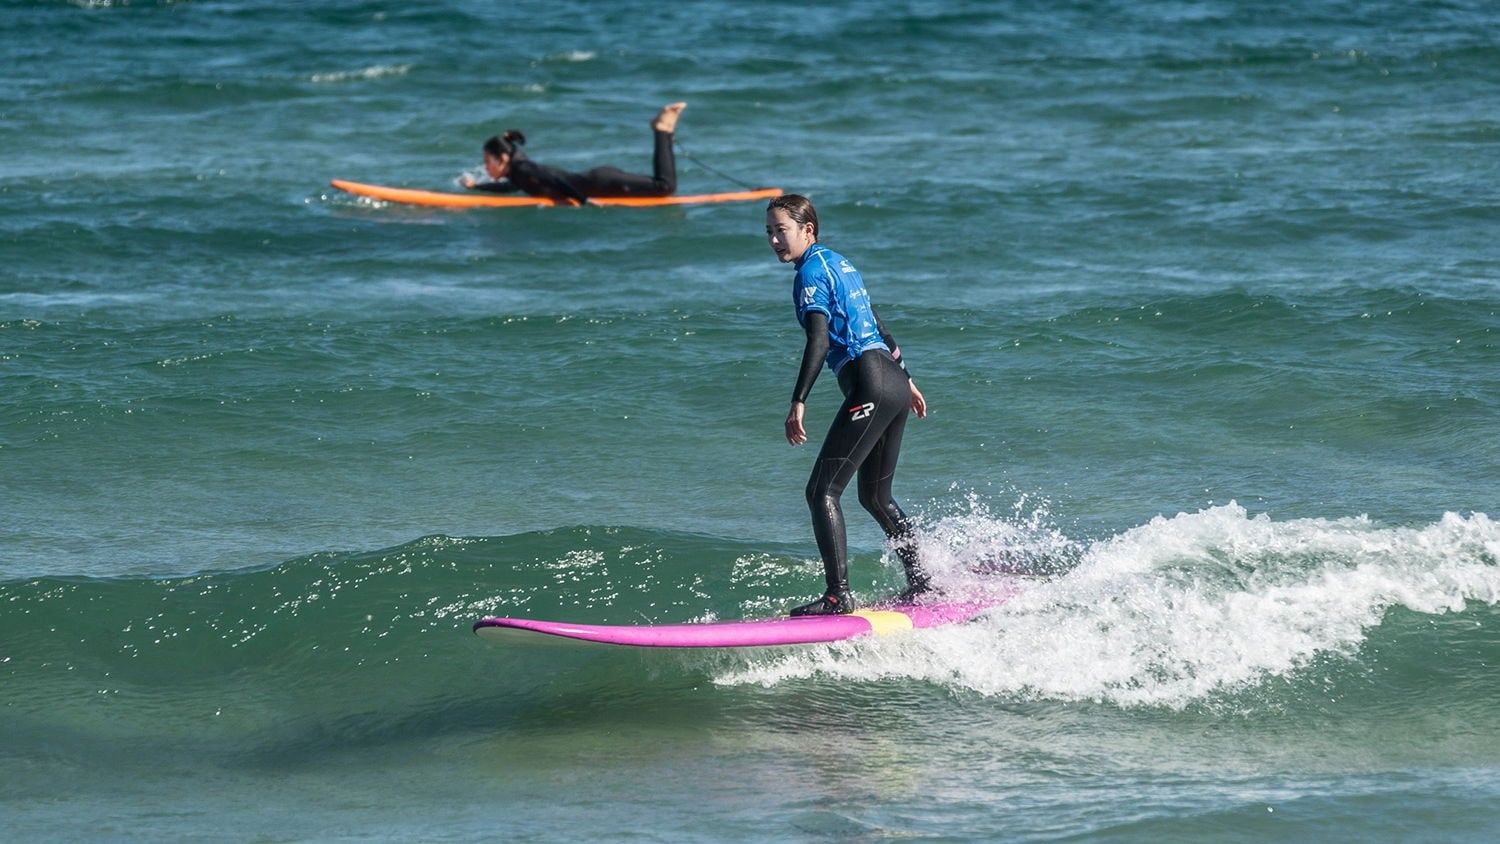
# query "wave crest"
(1192, 610)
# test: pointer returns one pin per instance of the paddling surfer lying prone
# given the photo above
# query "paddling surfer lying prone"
(512, 171)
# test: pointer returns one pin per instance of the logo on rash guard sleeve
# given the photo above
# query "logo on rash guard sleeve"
(861, 411)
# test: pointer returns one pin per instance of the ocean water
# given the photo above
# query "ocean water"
(1203, 296)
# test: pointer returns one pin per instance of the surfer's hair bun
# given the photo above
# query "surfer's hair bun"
(501, 146)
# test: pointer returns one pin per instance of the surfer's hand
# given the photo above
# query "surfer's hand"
(918, 403)
(795, 433)
(467, 181)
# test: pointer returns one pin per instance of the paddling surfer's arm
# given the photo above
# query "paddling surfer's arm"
(502, 186)
(541, 180)
(534, 179)
(497, 186)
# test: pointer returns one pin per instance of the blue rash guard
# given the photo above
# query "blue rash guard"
(827, 283)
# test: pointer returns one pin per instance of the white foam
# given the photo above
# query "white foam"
(372, 72)
(1182, 609)
(575, 56)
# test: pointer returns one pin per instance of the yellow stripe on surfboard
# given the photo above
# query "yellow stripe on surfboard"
(883, 622)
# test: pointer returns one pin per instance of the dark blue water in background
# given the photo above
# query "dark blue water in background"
(1203, 296)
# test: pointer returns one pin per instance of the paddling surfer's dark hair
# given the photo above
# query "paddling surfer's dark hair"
(797, 207)
(504, 145)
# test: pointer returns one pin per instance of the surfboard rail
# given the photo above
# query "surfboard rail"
(753, 633)
(446, 199)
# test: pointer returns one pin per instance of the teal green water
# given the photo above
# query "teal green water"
(1203, 297)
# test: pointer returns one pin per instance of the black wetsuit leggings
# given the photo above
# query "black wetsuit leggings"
(612, 181)
(865, 438)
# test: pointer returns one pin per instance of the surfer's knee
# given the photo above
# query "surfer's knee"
(820, 495)
(825, 483)
(891, 518)
(878, 503)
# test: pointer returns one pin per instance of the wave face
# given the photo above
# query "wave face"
(1211, 611)
(1257, 659)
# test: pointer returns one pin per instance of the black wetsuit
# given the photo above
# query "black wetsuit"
(864, 439)
(535, 179)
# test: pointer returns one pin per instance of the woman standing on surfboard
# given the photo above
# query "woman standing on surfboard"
(834, 308)
(512, 171)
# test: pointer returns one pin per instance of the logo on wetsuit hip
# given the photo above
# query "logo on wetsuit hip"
(861, 411)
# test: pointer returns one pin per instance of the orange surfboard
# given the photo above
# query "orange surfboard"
(440, 199)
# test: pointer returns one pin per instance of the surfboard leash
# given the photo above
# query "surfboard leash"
(682, 150)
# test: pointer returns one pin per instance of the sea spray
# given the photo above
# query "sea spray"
(1187, 609)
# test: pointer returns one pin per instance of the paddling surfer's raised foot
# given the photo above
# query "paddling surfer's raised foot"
(511, 170)
(666, 119)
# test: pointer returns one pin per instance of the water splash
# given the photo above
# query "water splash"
(1184, 610)
(971, 541)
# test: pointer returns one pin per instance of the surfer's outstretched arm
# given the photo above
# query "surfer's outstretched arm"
(499, 186)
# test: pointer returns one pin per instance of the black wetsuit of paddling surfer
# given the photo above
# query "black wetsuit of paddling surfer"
(535, 179)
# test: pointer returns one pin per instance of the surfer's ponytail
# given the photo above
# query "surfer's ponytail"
(504, 145)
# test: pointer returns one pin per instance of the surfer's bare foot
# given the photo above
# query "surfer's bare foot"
(666, 120)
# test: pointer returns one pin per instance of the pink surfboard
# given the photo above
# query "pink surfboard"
(755, 633)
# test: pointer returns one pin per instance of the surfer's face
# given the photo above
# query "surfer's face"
(496, 166)
(788, 240)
